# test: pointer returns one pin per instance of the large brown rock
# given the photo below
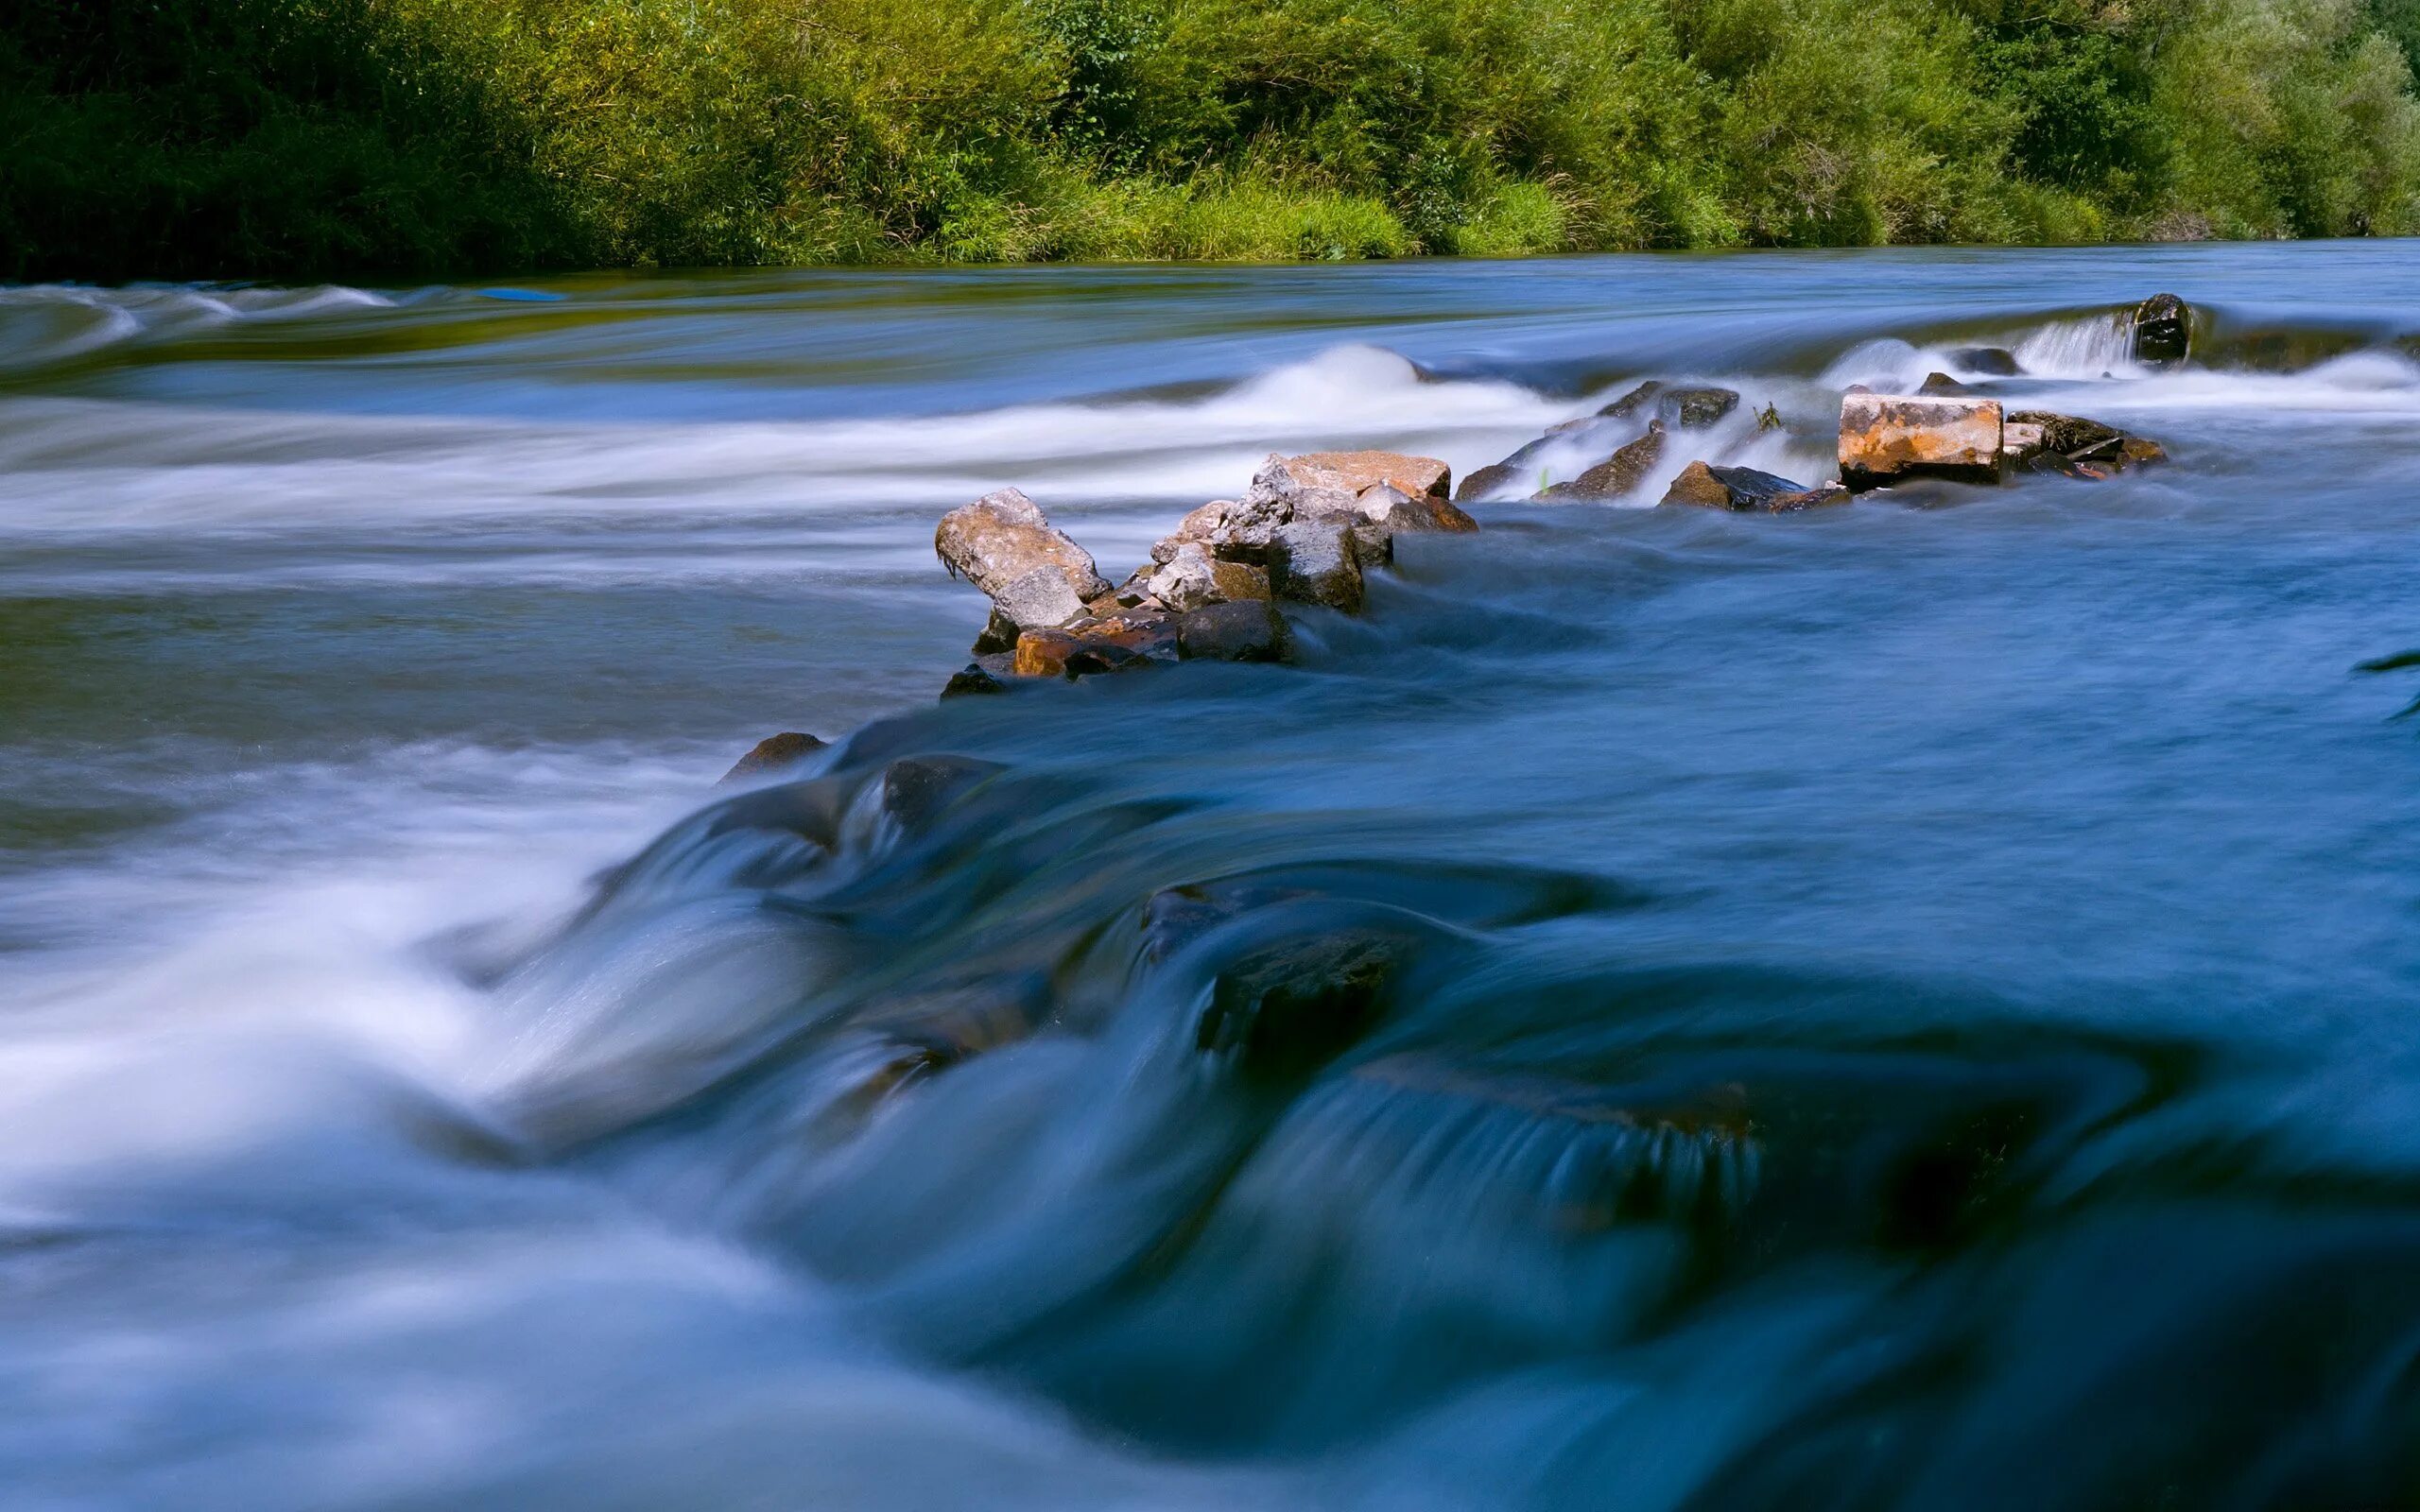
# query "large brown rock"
(1886, 437)
(1004, 544)
(1354, 471)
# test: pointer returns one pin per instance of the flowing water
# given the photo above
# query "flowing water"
(1903, 1006)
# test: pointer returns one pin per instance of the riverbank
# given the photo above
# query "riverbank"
(290, 139)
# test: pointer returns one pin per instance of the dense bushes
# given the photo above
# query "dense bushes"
(291, 137)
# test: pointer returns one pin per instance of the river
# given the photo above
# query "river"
(1909, 1004)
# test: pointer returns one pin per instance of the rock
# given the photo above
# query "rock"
(1486, 480)
(1997, 362)
(1315, 561)
(1004, 544)
(1694, 409)
(2020, 442)
(1821, 496)
(1399, 511)
(999, 633)
(2163, 330)
(1115, 642)
(1941, 386)
(1044, 653)
(1616, 475)
(1285, 1009)
(773, 754)
(1632, 403)
(1201, 526)
(2069, 434)
(1147, 633)
(1354, 471)
(1245, 630)
(2138, 451)
(916, 788)
(1187, 581)
(974, 680)
(1744, 488)
(1886, 437)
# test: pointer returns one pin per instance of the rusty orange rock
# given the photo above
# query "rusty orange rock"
(1045, 653)
(1885, 437)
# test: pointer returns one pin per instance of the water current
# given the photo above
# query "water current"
(1903, 1005)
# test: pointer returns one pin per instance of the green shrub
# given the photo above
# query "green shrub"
(294, 138)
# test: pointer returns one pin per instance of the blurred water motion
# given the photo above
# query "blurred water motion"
(1903, 1008)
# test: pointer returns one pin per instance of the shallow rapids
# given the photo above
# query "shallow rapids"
(1903, 1005)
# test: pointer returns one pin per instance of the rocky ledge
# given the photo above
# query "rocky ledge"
(1306, 533)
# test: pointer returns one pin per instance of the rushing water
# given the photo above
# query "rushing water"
(1907, 1006)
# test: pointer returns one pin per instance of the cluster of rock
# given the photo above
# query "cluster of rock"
(1306, 532)
(1944, 430)
(1311, 527)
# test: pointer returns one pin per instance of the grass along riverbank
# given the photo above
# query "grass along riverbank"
(303, 138)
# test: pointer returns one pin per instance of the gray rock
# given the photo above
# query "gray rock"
(1186, 581)
(1694, 409)
(1004, 544)
(1314, 561)
(1039, 600)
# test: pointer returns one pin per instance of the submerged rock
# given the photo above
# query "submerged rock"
(1246, 630)
(915, 789)
(1618, 473)
(1632, 403)
(773, 754)
(975, 678)
(1886, 438)
(1746, 488)
(1286, 1008)
(1035, 574)
(1941, 386)
(1995, 362)
(2162, 331)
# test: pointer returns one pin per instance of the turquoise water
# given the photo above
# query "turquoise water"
(1907, 1005)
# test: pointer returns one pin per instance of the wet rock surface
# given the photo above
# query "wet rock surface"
(1247, 630)
(2162, 331)
(1618, 473)
(775, 753)
(1746, 488)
